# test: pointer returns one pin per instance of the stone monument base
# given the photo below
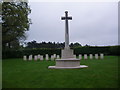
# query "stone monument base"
(69, 63)
(55, 67)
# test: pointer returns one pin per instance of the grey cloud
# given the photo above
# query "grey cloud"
(93, 23)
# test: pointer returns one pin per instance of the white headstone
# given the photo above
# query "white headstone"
(35, 58)
(101, 56)
(85, 56)
(38, 56)
(80, 56)
(41, 57)
(46, 57)
(58, 56)
(74, 56)
(24, 58)
(52, 57)
(91, 56)
(96, 56)
(30, 57)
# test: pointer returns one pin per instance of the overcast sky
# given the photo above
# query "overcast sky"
(93, 23)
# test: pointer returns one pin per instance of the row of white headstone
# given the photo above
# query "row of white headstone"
(40, 57)
(54, 56)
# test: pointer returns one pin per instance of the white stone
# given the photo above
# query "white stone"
(85, 56)
(52, 57)
(58, 56)
(46, 57)
(41, 57)
(38, 56)
(80, 56)
(35, 58)
(91, 56)
(74, 56)
(70, 63)
(30, 57)
(24, 58)
(55, 67)
(67, 53)
(96, 56)
(101, 56)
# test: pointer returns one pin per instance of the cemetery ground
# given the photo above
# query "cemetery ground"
(35, 74)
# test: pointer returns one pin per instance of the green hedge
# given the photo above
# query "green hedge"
(92, 50)
(109, 50)
(20, 53)
(12, 54)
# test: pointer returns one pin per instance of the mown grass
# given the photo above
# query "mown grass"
(35, 74)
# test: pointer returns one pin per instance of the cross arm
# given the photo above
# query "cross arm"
(68, 18)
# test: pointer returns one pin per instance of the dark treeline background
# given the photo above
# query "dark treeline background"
(51, 48)
(34, 44)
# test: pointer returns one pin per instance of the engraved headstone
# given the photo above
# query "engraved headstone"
(41, 57)
(74, 56)
(101, 56)
(96, 56)
(85, 56)
(24, 58)
(30, 57)
(35, 57)
(52, 57)
(38, 56)
(91, 56)
(58, 56)
(80, 56)
(46, 57)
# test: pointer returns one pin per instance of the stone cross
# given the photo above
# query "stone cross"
(66, 18)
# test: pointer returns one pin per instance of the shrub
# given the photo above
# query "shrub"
(107, 50)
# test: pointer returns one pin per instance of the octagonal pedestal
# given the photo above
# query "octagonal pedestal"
(69, 63)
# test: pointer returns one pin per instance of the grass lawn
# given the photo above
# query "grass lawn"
(35, 74)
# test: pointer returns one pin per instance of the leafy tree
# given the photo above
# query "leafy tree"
(15, 21)
(74, 45)
(34, 44)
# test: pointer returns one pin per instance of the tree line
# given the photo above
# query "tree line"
(34, 44)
